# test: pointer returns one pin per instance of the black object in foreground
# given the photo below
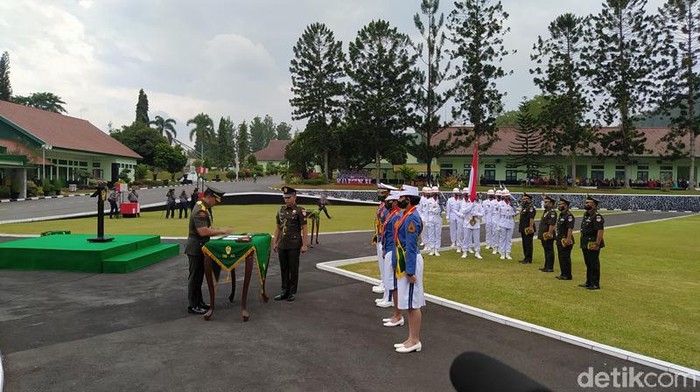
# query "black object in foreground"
(476, 372)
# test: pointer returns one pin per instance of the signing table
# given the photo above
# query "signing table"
(228, 252)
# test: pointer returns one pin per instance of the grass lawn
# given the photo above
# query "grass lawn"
(648, 304)
(243, 219)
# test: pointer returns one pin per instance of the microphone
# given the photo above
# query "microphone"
(476, 372)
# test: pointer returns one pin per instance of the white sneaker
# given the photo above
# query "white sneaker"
(494, 251)
(464, 255)
(432, 253)
(436, 253)
(471, 251)
(488, 247)
(378, 300)
(508, 256)
(478, 256)
(379, 289)
(385, 304)
(503, 257)
(459, 250)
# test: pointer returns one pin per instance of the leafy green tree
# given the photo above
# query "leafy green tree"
(561, 76)
(526, 149)
(317, 73)
(283, 131)
(429, 99)
(44, 101)
(225, 135)
(243, 142)
(142, 108)
(381, 88)
(5, 86)
(679, 20)
(166, 127)
(169, 158)
(621, 64)
(299, 156)
(477, 28)
(203, 133)
(261, 132)
(141, 171)
(140, 138)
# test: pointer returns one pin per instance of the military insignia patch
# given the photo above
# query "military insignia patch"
(411, 227)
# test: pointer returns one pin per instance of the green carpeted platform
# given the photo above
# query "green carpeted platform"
(73, 252)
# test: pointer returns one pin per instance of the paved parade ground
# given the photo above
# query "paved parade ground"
(62, 331)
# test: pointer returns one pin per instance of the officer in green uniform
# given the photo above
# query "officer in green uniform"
(565, 238)
(200, 231)
(527, 227)
(592, 242)
(546, 233)
(290, 240)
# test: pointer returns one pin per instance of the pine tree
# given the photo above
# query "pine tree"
(562, 81)
(429, 100)
(142, 108)
(379, 95)
(283, 131)
(620, 61)
(477, 30)
(526, 150)
(243, 142)
(680, 23)
(224, 143)
(5, 86)
(317, 72)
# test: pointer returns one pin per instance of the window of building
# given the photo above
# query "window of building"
(489, 166)
(442, 166)
(598, 172)
(95, 164)
(642, 172)
(666, 173)
(620, 172)
(490, 174)
(511, 166)
(511, 175)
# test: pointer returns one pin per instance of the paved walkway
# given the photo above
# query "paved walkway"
(99, 332)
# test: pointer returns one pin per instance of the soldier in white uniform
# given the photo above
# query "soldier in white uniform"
(496, 227)
(420, 209)
(436, 217)
(489, 205)
(382, 192)
(453, 204)
(460, 216)
(472, 212)
(507, 223)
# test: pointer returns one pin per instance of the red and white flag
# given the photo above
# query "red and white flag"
(474, 173)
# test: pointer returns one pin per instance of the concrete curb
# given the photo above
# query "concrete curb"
(692, 374)
(2, 374)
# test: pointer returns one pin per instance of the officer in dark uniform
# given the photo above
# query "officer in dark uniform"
(565, 238)
(200, 231)
(527, 227)
(592, 242)
(290, 240)
(546, 233)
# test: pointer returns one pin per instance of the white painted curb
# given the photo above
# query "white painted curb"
(2, 374)
(692, 374)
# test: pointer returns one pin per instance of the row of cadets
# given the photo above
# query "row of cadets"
(471, 212)
(490, 215)
(382, 192)
(388, 245)
(506, 223)
(409, 267)
(453, 206)
(433, 221)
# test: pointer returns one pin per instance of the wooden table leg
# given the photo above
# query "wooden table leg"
(246, 283)
(210, 285)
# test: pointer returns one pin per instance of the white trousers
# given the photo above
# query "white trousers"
(505, 238)
(380, 260)
(471, 238)
(389, 278)
(411, 296)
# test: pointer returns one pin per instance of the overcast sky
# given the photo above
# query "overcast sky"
(220, 57)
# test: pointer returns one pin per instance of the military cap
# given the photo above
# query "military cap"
(525, 194)
(393, 195)
(563, 200)
(547, 198)
(288, 191)
(591, 198)
(408, 190)
(217, 193)
(382, 185)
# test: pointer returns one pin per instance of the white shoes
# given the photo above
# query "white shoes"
(459, 250)
(471, 251)
(478, 256)
(464, 255)
(385, 304)
(488, 247)
(453, 245)
(403, 349)
(378, 300)
(503, 257)
(436, 253)
(398, 345)
(394, 324)
(508, 256)
(379, 289)
(494, 251)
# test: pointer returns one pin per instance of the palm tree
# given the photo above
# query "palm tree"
(203, 132)
(165, 127)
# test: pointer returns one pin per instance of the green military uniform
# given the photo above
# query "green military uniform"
(527, 213)
(590, 224)
(549, 218)
(201, 217)
(290, 221)
(565, 222)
